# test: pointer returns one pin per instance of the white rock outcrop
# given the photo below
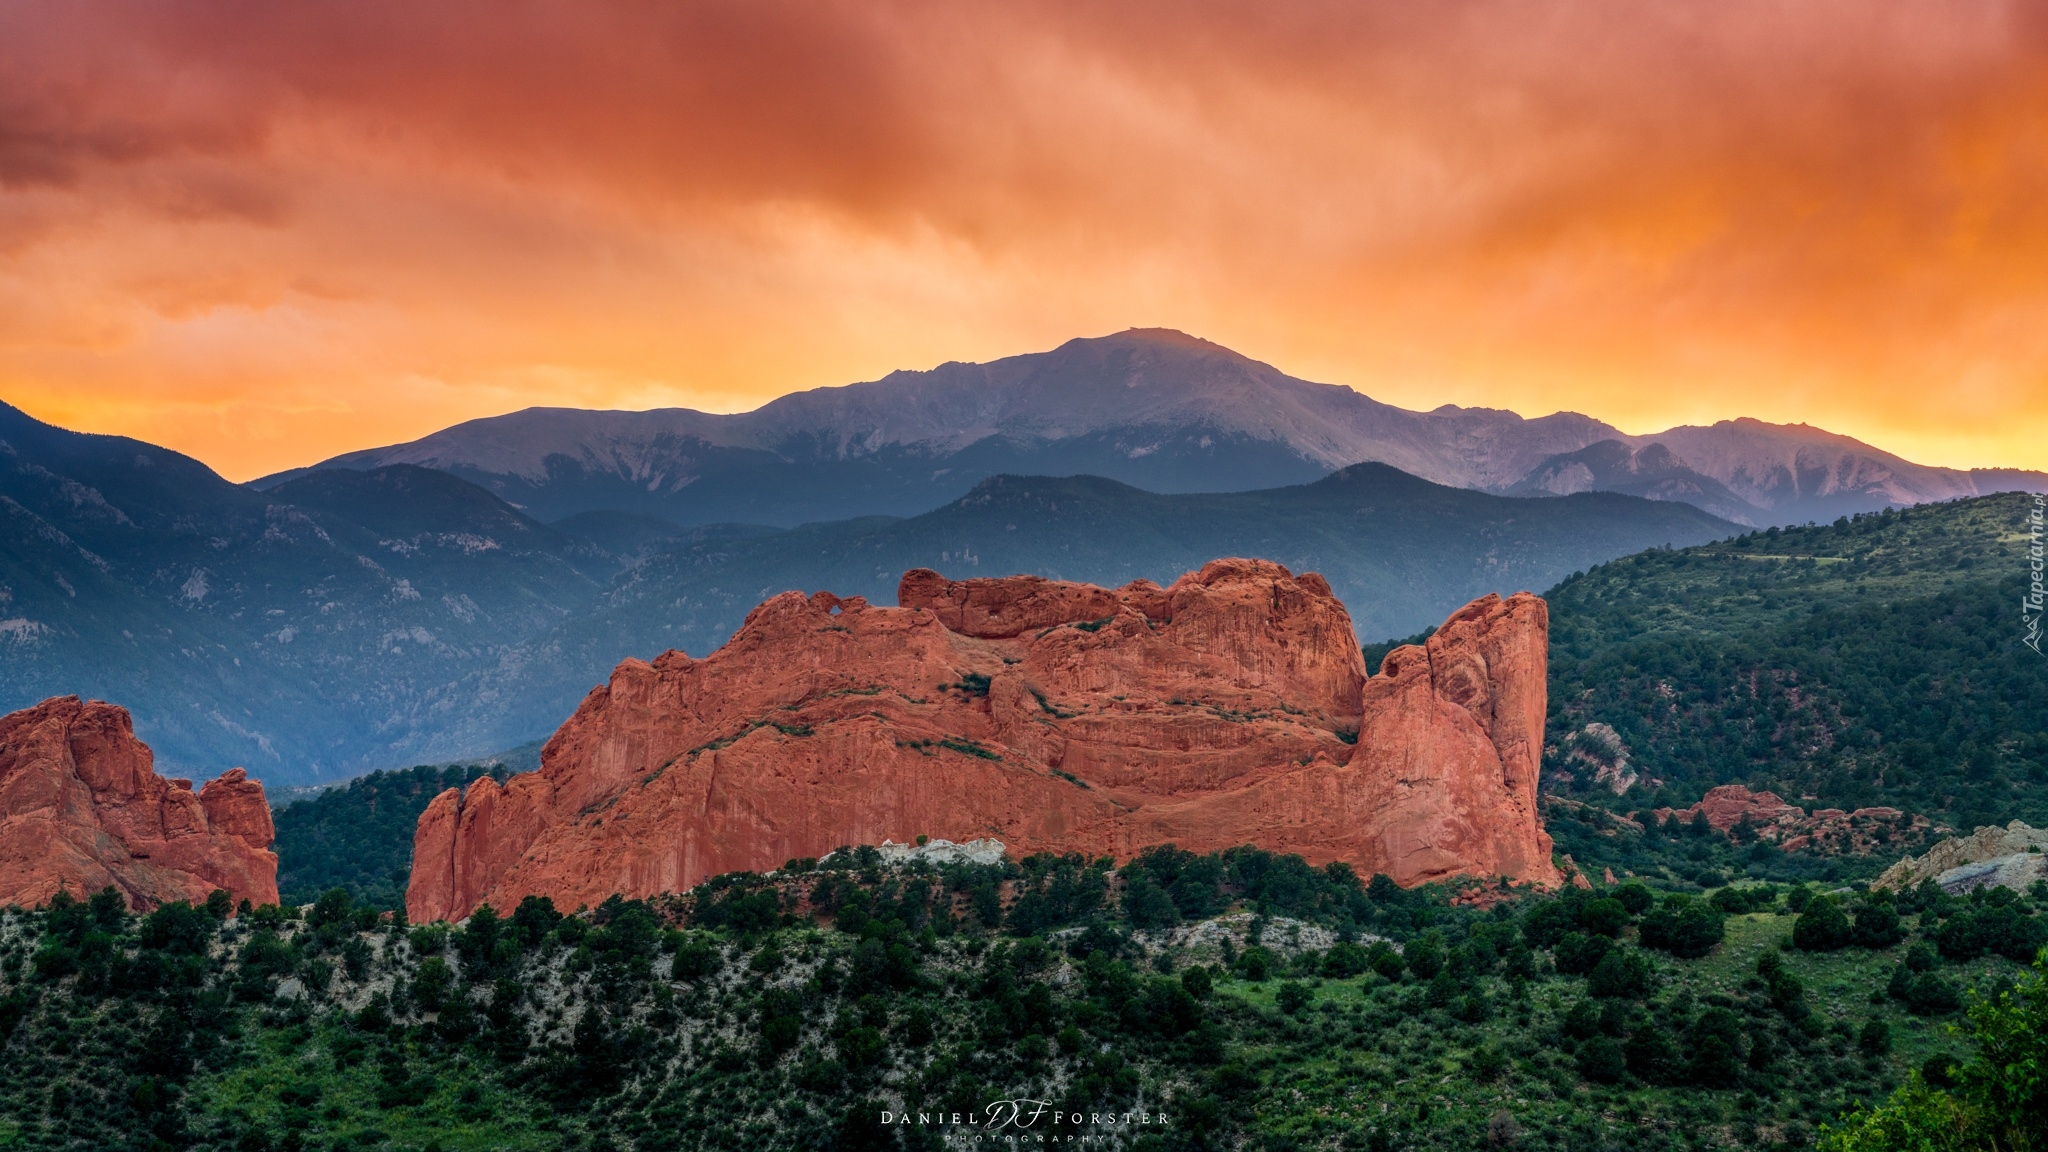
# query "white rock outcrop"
(2010, 857)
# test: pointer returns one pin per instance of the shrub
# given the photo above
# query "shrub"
(1923, 993)
(1582, 1021)
(534, 919)
(1636, 897)
(1519, 961)
(2003, 929)
(1877, 926)
(1344, 961)
(782, 1021)
(1292, 997)
(1601, 1060)
(1736, 901)
(696, 957)
(1622, 974)
(1684, 927)
(1763, 1049)
(1650, 1054)
(1917, 1118)
(179, 927)
(1147, 905)
(1547, 922)
(919, 1028)
(861, 1047)
(1578, 955)
(1443, 989)
(432, 983)
(1715, 1038)
(333, 907)
(1940, 1070)
(1425, 954)
(1822, 927)
(1605, 917)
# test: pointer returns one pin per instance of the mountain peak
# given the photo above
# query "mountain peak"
(1168, 337)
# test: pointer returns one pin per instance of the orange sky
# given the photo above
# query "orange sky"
(264, 233)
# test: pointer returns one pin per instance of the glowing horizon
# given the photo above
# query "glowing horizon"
(263, 236)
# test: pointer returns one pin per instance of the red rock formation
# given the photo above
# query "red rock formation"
(1792, 827)
(1731, 804)
(1230, 708)
(81, 807)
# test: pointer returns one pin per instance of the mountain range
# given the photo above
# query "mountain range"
(1154, 408)
(1396, 550)
(456, 595)
(286, 631)
(344, 620)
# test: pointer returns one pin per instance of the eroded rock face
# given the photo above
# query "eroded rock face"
(1794, 828)
(82, 807)
(1731, 804)
(2011, 857)
(1230, 708)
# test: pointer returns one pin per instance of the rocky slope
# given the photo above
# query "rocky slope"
(1231, 707)
(81, 807)
(1651, 472)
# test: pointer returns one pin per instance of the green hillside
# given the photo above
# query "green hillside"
(1235, 1001)
(1874, 661)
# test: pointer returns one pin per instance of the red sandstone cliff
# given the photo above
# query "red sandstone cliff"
(1230, 708)
(81, 807)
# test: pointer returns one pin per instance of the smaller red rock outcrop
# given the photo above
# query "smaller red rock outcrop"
(1793, 828)
(81, 808)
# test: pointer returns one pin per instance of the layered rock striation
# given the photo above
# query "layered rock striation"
(2010, 857)
(1230, 708)
(81, 808)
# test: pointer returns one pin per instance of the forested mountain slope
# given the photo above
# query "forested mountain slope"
(293, 632)
(1876, 660)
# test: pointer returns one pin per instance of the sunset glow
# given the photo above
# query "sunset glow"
(264, 234)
